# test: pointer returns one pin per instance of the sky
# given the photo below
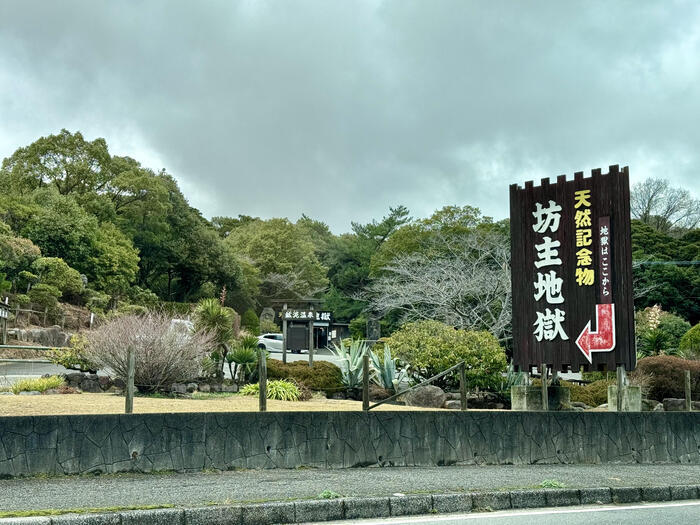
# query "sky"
(340, 109)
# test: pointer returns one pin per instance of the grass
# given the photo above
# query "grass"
(39, 384)
(114, 404)
(279, 389)
(58, 512)
(329, 494)
(552, 484)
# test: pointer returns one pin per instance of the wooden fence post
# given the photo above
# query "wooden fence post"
(262, 379)
(620, 386)
(462, 387)
(688, 393)
(46, 312)
(545, 395)
(130, 373)
(365, 382)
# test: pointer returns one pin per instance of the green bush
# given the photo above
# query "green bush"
(55, 272)
(658, 332)
(39, 384)
(45, 295)
(667, 376)
(73, 357)
(593, 394)
(269, 327)
(250, 322)
(691, 339)
(323, 376)
(429, 347)
(280, 390)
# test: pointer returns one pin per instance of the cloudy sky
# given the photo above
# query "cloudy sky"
(340, 109)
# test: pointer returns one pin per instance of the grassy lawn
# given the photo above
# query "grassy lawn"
(114, 404)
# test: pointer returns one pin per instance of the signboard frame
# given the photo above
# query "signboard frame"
(583, 327)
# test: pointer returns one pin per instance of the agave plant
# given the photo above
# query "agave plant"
(388, 376)
(243, 359)
(350, 356)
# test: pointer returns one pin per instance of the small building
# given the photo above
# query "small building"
(299, 316)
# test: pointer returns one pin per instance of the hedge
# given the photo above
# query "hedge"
(323, 376)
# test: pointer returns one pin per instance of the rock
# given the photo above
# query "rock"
(215, 388)
(336, 395)
(191, 387)
(204, 388)
(485, 401)
(579, 404)
(6, 394)
(92, 387)
(178, 388)
(429, 396)
(51, 392)
(105, 382)
(92, 377)
(453, 396)
(674, 405)
(604, 405)
(74, 378)
(119, 383)
(377, 393)
(30, 393)
(229, 388)
(659, 407)
(453, 404)
(649, 404)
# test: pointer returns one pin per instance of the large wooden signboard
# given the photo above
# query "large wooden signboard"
(572, 272)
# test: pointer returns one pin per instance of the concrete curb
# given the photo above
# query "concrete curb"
(370, 507)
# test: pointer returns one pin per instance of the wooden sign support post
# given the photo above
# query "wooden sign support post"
(284, 336)
(130, 374)
(688, 393)
(620, 386)
(365, 382)
(262, 379)
(463, 387)
(311, 340)
(545, 396)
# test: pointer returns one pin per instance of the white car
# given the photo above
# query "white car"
(270, 342)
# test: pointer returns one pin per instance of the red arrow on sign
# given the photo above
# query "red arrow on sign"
(603, 339)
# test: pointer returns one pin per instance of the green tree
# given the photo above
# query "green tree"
(211, 317)
(55, 272)
(250, 322)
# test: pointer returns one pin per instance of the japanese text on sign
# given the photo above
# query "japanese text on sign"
(585, 275)
(548, 284)
(604, 259)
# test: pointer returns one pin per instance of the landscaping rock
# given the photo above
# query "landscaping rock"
(73, 378)
(119, 383)
(204, 388)
(485, 401)
(229, 388)
(453, 405)
(191, 387)
(580, 404)
(6, 394)
(92, 387)
(336, 395)
(429, 396)
(178, 388)
(674, 405)
(30, 393)
(659, 408)
(105, 382)
(377, 393)
(215, 388)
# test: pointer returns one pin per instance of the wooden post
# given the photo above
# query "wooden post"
(620, 386)
(284, 341)
(462, 387)
(365, 382)
(46, 312)
(131, 371)
(284, 333)
(262, 379)
(545, 396)
(688, 393)
(311, 337)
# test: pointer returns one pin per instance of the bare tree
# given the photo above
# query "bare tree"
(663, 207)
(467, 285)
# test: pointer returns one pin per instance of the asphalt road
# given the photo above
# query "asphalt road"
(281, 484)
(681, 513)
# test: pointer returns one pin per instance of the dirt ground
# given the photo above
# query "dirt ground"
(114, 404)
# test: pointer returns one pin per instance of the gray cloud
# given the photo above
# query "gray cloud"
(341, 109)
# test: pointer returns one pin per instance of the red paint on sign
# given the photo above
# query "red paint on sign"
(603, 338)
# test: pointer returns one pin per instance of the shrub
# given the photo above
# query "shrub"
(73, 357)
(667, 376)
(387, 375)
(39, 384)
(163, 355)
(210, 316)
(430, 347)
(323, 376)
(250, 322)
(657, 331)
(593, 394)
(350, 355)
(55, 272)
(269, 327)
(45, 295)
(691, 339)
(279, 389)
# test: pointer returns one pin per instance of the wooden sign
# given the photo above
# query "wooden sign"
(571, 265)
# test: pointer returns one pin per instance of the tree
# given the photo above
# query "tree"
(217, 320)
(55, 272)
(466, 285)
(250, 322)
(664, 208)
(284, 256)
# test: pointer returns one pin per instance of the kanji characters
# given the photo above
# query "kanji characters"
(547, 252)
(549, 286)
(546, 218)
(548, 325)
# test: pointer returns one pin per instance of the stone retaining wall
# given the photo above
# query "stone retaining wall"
(191, 442)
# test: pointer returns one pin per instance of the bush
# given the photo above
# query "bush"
(658, 332)
(250, 322)
(55, 272)
(45, 295)
(667, 376)
(593, 394)
(269, 327)
(39, 384)
(73, 357)
(279, 389)
(163, 354)
(691, 339)
(323, 376)
(429, 347)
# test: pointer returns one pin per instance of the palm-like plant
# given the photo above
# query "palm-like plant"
(350, 356)
(244, 359)
(210, 316)
(388, 376)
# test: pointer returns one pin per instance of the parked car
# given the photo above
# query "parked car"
(270, 342)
